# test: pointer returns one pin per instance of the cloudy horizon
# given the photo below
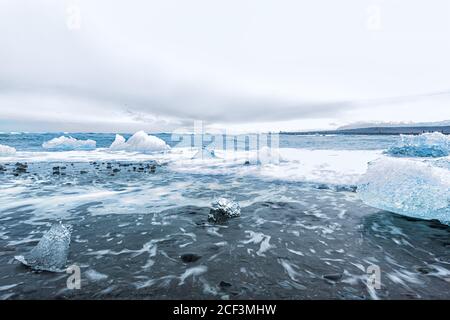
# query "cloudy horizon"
(246, 66)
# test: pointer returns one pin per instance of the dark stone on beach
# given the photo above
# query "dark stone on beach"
(424, 270)
(333, 277)
(224, 284)
(346, 188)
(21, 168)
(247, 163)
(189, 257)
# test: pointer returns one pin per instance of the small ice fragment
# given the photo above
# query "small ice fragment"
(50, 254)
(223, 209)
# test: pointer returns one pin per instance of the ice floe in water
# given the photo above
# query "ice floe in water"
(408, 187)
(6, 151)
(223, 209)
(433, 145)
(139, 142)
(50, 254)
(64, 143)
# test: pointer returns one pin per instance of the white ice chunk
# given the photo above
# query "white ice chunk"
(68, 143)
(139, 142)
(6, 151)
(50, 254)
(408, 187)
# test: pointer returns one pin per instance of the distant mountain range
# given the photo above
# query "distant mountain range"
(360, 125)
(385, 128)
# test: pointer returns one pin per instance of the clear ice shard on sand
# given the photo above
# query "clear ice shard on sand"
(223, 209)
(50, 254)
(408, 187)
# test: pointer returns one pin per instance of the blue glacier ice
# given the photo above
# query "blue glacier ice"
(50, 254)
(433, 145)
(409, 187)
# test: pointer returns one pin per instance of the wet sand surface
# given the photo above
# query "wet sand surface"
(292, 241)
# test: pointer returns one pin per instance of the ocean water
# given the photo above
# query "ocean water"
(140, 228)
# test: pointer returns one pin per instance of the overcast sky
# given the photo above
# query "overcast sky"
(243, 65)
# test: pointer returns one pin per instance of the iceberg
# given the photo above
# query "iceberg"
(222, 209)
(408, 187)
(433, 145)
(68, 143)
(6, 151)
(139, 142)
(50, 254)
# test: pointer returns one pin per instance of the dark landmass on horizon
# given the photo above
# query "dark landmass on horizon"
(380, 130)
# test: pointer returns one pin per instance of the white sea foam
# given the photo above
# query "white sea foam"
(64, 143)
(93, 275)
(139, 142)
(6, 151)
(330, 167)
(335, 167)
